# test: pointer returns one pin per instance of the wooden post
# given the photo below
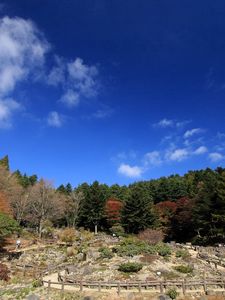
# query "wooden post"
(99, 287)
(119, 288)
(62, 287)
(161, 287)
(24, 270)
(81, 286)
(48, 290)
(139, 287)
(184, 287)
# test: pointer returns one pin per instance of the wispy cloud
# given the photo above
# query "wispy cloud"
(152, 158)
(22, 54)
(130, 171)
(76, 80)
(191, 132)
(177, 155)
(54, 119)
(164, 123)
(216, 157)
(200, 150)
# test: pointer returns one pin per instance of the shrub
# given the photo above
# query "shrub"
(4, 272)
(182, 253)
(151, 236)
(105, 252)
(163, 250)
(184, 269)
(36, 283)
(68, 235)
(117, 230)
(172, 293)
(132, 247)
(130, 267)
(7, 225)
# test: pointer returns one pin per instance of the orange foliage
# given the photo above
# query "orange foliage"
(4, 204)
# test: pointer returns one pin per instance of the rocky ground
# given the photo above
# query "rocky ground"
(97, 258)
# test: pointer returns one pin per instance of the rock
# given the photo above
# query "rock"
(210, 293)
(33, 297)
(164, 297)
(131, 296)
(88, 298)
(87, 270)
(203, 298)
(80, 256)
(71, 251)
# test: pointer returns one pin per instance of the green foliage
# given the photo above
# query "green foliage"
(137, 212)
(117, 230)
(172, 293)
(4, 162)
(163, 249)
(184, 269)
(105, 252)
(24, 180)
(132, 247)
(36, 283)
(7, 225)
(182, 254)
(130, 267)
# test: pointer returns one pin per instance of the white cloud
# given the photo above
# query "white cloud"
(190, 133)
(70, 98)
(22, 53)
(7, 108)
(76, 80)
(164, 123)
(200, 150)
(152, 158)
(177, 155)
(54, 119)
(215, 157)
(128, 171)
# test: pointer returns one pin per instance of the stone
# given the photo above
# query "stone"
(131, 296)
(33, 297)
(88, 298)
(164, 297)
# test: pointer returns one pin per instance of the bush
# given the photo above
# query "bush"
(68, 235)
(36, 283)
(105, 252)
(130, 267)
(132, 247)
(4, 272)
(184, 269)
(172, 293)
(182, 254)
(163, 250)
(7, 226)
(117, 230)
(151, 236)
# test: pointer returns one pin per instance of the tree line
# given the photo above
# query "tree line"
(186, 208)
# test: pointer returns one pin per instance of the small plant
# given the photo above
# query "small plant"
(117, 230)
(36, 283)
(105, 252)
(163, 250)
(184, 269)
(172, 293)
(4, 272)
(182, 254)
(130, 267)
(68, 235)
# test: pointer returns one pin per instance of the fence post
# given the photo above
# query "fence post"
(118, 286)
(161, 287)
(139, 287)
(24, 270)
(48, 290)
(62, 287)
(99, 287)
(183, 287)
(81, 286)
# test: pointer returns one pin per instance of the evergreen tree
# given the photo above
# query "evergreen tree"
(69, 189)
(92, 211)
(137, 213)
(4, 162)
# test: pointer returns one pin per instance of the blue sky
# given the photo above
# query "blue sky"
(115, 91)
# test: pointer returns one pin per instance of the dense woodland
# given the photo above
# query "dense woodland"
(185, 208)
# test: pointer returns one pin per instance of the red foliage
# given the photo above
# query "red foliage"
(166, 209)
(184, 210)
(4, 204)
(113, 208)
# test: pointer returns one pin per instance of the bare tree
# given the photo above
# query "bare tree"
(44, 204)
(72, 205)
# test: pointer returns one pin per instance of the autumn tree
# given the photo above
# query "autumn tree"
(73, 202)
(113, 209)
(44, 204)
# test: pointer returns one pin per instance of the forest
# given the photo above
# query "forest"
(182, 208)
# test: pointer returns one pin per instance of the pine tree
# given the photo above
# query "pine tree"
(4, 162)
(137, 213)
